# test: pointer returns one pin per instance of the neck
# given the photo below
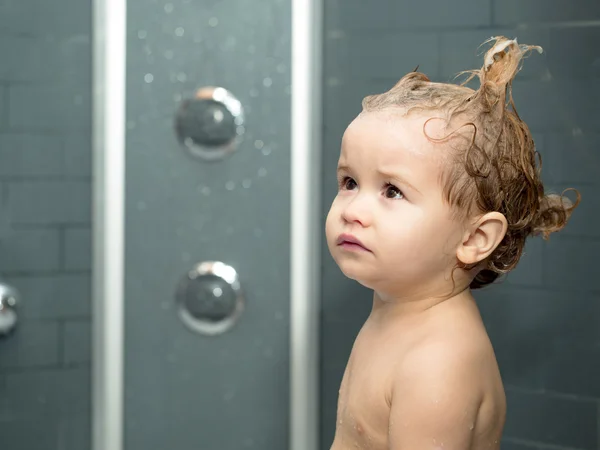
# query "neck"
(386, 307)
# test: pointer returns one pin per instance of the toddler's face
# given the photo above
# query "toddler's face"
(389, 227)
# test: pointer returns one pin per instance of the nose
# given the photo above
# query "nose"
(357, 211)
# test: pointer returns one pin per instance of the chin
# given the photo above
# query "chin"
(356, 271)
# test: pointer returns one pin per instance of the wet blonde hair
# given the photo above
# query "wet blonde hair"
(498, 169)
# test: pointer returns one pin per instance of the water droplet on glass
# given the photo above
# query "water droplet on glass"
(179, 31)
(267, 82)
(78, 100)
(185, 257)
(142, 34)
(258, 232)
(181, 77)
(169, 8)
(258, 144)
(169, 54)
(251, 49)
(240, 129)
(177, 98)
(206, 190)
(228, 396)
(148, 78)
(253, 92)
(130, 124)
(213, 21)
(262, 172)
(246, 183)
(141, 206)
(281, 68)
(217, 292)
(288, 90)
(278, 315)
(165, 305)
(332, 81)
(577, 132)
(268, 352)
(266, 151)
(230, 185)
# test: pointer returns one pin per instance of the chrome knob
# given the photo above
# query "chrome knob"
(9, 299)
(209, 298)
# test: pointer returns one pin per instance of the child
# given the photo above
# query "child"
(439, 188)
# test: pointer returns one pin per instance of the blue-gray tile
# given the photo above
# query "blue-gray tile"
(516, 444)
(552, 420)
(59, 296)
(570, 263)
(359, 15)
(50, 202)
(558, 105)
(571, 52)
(77, 339)
(538, 333)
(3, 108)
(49, 391)
(30, 155)
(53, 108)
(39, 16)
(35, 58)
(78, 155)
(31, 433)
(30, 250)
(441, 13)
(370, 56)
(529, 270)
(78, 244)
(544, 11)
(76, 432)
(33, 343)
(571, 158)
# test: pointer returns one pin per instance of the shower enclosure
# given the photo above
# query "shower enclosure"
(165, 172)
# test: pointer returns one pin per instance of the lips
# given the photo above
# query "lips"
(350, 242)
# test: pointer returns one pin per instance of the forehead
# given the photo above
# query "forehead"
(390, 138)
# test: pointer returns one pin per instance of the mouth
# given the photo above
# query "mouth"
(349, 242)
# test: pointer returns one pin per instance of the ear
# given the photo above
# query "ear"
(482, 238)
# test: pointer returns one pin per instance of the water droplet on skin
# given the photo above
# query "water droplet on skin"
(179, 31)
(247, 183)
(169, 8)
(142, 34)
(267, 82)
(148, 78)
(262, 172)
(472, 426)
(213, 21)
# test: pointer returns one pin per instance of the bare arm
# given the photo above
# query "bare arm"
(435, 401)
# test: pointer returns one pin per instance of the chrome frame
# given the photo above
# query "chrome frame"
(307, 44)
(108, 149)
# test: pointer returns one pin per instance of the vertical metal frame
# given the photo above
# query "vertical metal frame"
(108, 149)
(307, 44)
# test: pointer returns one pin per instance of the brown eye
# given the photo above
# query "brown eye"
(393, 192)
(348, 184)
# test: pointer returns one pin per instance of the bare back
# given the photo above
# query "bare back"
(384, 356)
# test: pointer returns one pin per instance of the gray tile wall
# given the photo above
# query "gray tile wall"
(45, 197)
(544, 319)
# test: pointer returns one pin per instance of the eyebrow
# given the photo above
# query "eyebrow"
(393, 176)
